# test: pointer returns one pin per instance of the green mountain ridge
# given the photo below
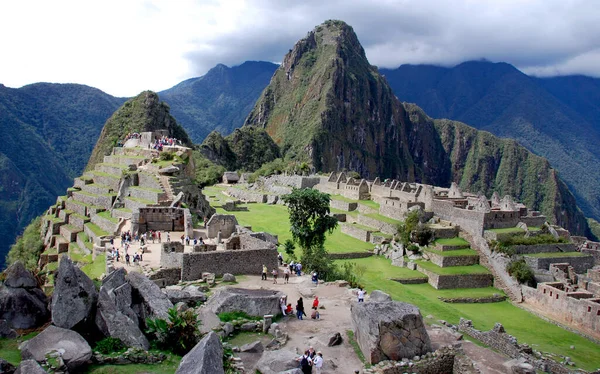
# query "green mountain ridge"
(327, 105)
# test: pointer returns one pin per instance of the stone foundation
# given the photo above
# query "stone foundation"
(356, 232)
(442, 282)
(221, 262)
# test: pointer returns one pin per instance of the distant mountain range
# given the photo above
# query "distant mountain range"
(49, 130)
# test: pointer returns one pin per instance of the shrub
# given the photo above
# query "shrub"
(231, 316)
(110, 345)
(522, 272)
(166, 156)
(289, 248)
(179, 334)
(28, 246)
(422, 235)
(351, 272)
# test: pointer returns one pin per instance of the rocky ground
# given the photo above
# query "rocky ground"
(335, 317)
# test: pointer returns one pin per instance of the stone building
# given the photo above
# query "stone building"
(231, 177)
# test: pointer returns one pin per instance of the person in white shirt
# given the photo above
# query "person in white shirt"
(318, 363)
(361, 295)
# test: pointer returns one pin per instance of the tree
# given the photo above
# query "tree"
(310, 222)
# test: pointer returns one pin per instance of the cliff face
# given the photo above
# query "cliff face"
(327, 105)
(144, 112)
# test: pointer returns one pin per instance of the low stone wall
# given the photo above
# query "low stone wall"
(442, 282)
(356, 232)
(384, 227)
(75, 206)
(363, 209)
(410, 280)
(594, 253)
(171, 254)
(148, 181)
(496, 338)
(105, 224)
(349, 255)
(343, 205)
(580, 264)
(104, 201)
(474, 300)
(544, 248)
(447, 261)
(441, 362)
(145, 194)
(77, 220)
(445, 232)
(221, 262)
(69, 232)
(296, 181)
(245, 195)
(501, 236)
(166, 276)
(110, 181)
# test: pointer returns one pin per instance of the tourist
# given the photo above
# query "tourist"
(315, 314)
(288, 309)
(280, 258)
(136, 259)
(305, 363)
(274, 272)
(127, 259)
(159, 238)
(292, 266)
(316, 303)
(318, 362)
(298, 269)
(187, 240)
(361, 295)
(168, 237)
(315, 279)
(264, 273)
(195, 241)
(311, 352)
(286, 274)
(182, 239)
(282, 304)
(300, 309)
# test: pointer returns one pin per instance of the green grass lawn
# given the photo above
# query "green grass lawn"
(96, 229)
(456, 253)
(106, 215)
(9, 348)
(370, 203)
(527, 327)
(168, 366)
(507, 230)
(452, 241)
(385, 219)
(453, 270)
(95, 269)
(342, 198)
(353, 213)
(557, 254)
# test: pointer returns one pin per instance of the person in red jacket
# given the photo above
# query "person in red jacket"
(316, 303)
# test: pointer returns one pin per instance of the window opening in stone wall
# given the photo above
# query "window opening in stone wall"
(589, 309)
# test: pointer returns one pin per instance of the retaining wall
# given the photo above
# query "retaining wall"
(245, 195)
(221, 262)
(343, 205)
(356, 232)
(442, 282)
(544, 248)
(349, 255)
(580, 264)
(148, 181)
(447, 261)
(384, 227)
(105, 224)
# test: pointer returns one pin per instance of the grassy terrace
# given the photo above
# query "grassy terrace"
(369, 203)
(141, 201)
(453, 270)
(77, 215)
(556, 254)
(52, 218)
(96, 229)
(362, 227)
(72, 228)
(120, 166)
(127, 210)
(353, 213)
(381, 218)
(452, 241)
(457, 253)
(146, 189)
(86, 240)
(106, 215)
(507, 230)
(96, 268)
(103, 174)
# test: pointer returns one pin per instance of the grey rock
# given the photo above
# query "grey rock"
(389, 330)
(19, 277)
(205, 358)
(274, 362)
(379, 296)
(76, 350)
(115, 279)
(209, 319)
(188, 296)
(6, 367)
(6, 331)
(228, 329)
(254, 347)
(23, 308)
(114, 323)
(228, 277)
(336, 339)
(252, 302)
(148, 301)
(291, 371)
(74, 298)
(522, 368)
(248, 326)
(29, 367)
(169, 170)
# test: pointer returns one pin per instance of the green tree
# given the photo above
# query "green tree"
(289, 247)
(310, 222)
(28, 247)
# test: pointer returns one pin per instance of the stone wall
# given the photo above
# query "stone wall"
(580, 264)
(104, 223)
(246, 195)
(171, 254)
(221, 262)
(469, 220)
(442, 282)
(148, 181)
(223, 223)
(349, 255)
(166, 276)
(343, 205)
(384, 227)
(446, 261)
(105, 201)
(496, 338)
(245, 241)
(544, 248)
(442, 361)
(594, 253)
(145, 194)
(158, 218)
(356, 232)
(296, 181)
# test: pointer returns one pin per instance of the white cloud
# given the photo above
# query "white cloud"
(124, 47)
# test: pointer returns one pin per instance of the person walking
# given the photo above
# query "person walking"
(315, 278)
(286, 274)
(127, 259)
(274, 272)
(318, 363)
(361, 295)
(305, 363)
(264, 273)
(300, 309)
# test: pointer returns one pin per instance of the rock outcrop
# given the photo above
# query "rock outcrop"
(205, 358)
(252, 302)
(6, 331)
(6, 367)
(190, 295)
(75, 351)
(275, 362)
(23, 304)
(74, 298)
(389, 330)
(30, 367)
(379, 296)
(148, 301)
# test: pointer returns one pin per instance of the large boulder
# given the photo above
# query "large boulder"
(23, 304)
(6, 331)
(189, 295)
(389, 330)
(252, 302)
(148, 301)
(6, 367)
(274, 362)
(75, 350)
(205, 358)
(114, 323)
(29, 367)
(74, 298)
(379, 296)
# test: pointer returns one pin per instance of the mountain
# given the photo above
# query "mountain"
(48, 132)
(327, 105)
(219, 100)
(557, 118)
(145, 112)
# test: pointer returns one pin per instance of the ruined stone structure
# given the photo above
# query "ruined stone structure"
(230, 177)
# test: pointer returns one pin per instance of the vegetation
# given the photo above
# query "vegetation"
(412, 231)
(507, 245)
(309, 223)
(178, 334)
(356, 347)
(289, 247)
(206, 171)
(28, 247)
(110, 345)
(232, 316)
(521, 272)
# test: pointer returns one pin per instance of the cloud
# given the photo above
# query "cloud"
(125, 47)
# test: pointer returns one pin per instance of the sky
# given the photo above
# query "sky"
(127, 46)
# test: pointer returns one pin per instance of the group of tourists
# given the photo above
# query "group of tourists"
(286, 308)
(163, 141)
(126, 241)
(311, 361)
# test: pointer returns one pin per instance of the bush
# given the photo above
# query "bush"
(289, 247)
(232, 316)
(110, 345)
(351, 272)
(179, 334)
(28, 246)
(422, 235)
(521, 272)
(166, 156)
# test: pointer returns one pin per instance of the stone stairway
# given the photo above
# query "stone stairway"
(165, 184)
